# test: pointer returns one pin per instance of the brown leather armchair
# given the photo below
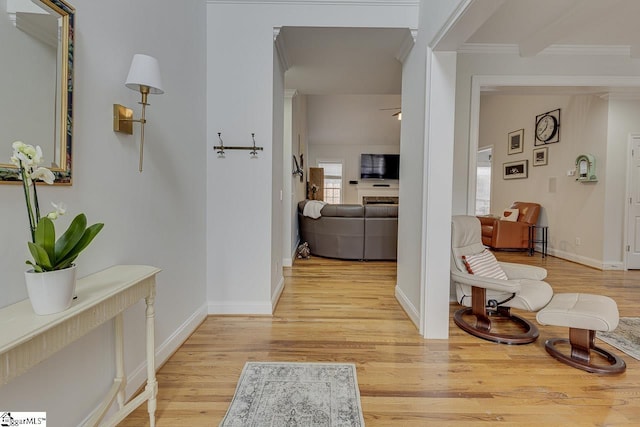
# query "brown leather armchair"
(499, 234)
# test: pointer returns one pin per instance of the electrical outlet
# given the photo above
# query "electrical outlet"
(578, 241)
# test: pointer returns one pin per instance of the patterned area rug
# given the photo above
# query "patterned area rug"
(626, 337)
(296, 394)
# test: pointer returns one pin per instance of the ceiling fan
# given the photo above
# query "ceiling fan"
(398, 113)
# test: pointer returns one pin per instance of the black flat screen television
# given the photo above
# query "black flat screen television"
(380, 166)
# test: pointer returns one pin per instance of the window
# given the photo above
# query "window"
(332, 181)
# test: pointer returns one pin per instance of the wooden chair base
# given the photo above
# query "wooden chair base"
(582, 343)
(482, 328)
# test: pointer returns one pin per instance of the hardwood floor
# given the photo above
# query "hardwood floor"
(338, 311)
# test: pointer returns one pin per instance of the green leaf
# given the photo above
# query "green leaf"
(88, 235)
(71, 237)
(46, 237)
(36, 267)
(40, 256)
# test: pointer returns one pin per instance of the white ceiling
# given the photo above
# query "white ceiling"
(535, 25)
(365, 60)
(344, 60)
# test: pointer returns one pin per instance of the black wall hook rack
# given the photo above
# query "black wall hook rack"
(253, 149)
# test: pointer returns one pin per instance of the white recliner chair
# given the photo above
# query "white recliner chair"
(490, 289)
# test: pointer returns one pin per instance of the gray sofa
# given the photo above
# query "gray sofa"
(359, 232)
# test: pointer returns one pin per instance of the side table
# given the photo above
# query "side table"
(541, 236)
(27, 339)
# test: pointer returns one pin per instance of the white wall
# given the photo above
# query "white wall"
(353, 119)
(623, 120)
(425, 163)
(155, 218)
(410, 211)
(571, 209)
(277, 181)
(568, 69)
(240, 91)
(299, 148)
(341, 127)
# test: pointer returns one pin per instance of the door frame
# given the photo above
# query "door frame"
(627, 242)
(485, 148)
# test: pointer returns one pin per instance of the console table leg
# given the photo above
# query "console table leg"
(152, 384)
(119, 349)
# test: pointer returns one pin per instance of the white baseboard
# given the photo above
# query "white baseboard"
(288, 262)
(590, 262)
(408, 307)
(240, 307)
(276, 294)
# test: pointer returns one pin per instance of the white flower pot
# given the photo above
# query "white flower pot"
(51, 291)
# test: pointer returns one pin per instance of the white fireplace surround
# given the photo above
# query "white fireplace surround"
(377, 189)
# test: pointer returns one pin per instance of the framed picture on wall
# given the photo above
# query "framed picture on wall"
(515, 142)
(540, 156)
(515, 170)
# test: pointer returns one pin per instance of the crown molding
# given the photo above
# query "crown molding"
(407, 44)
(489, 48)
(558, 49)
(568, 49)
(321, 2)
(621, 96)
(278, 40)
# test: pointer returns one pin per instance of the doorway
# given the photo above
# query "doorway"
(483, 181)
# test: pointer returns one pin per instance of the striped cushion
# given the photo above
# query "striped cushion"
(484, 264)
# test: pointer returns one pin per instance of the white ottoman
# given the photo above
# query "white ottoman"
(583, 314)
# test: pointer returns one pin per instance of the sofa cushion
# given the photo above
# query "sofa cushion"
(381, 211)
(484, 264)
(347, 211)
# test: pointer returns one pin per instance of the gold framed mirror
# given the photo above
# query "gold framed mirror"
(37, 84)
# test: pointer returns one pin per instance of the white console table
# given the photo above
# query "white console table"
(27, 339)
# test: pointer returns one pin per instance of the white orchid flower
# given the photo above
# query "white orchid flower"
(43, 174)
(37, 157)
(29, 151)
(60, 209)
(22, 157)
(19, 156)
(29, 155)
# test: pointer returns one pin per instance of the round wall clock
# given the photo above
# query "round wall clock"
(547, 128)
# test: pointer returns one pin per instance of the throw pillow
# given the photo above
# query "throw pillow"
(510, 215)
(484, 264)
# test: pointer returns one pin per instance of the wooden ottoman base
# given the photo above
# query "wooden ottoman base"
(582, 342)
(583, 314)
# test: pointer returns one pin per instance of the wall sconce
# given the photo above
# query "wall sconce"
(144, 76)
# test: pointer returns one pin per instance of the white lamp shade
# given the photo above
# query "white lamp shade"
(144, 71)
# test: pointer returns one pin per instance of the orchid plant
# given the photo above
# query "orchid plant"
(314, 190)
(48, 253)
